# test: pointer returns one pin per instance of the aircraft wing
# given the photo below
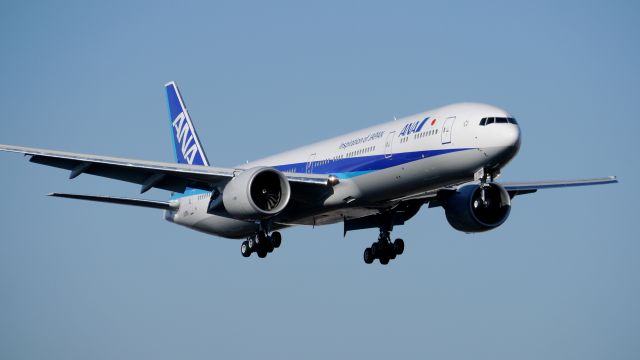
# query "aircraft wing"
(513, 188)
(521, 188)
(148, 174)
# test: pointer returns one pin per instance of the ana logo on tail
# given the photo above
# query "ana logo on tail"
(184, 137)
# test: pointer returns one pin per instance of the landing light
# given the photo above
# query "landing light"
(333, 180)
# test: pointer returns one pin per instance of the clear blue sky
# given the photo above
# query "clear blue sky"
(559, 280)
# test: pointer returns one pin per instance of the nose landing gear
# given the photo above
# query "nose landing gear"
(384, 249)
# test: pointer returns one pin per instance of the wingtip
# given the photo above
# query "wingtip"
(172, 82)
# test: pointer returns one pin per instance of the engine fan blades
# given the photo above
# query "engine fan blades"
(268, 200)
(273, 199)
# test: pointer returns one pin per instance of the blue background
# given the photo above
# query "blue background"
(559, 280)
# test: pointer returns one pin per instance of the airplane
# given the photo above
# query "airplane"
(378, 177)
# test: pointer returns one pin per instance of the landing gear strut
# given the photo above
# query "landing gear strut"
(261, 243)
(384, 249)
(485, 178)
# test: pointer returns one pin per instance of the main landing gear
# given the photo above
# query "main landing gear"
(261, 243)
(383, 249)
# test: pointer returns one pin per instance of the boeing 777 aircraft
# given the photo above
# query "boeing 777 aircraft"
(378, 177)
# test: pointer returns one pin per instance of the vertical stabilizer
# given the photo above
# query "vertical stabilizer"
(186, 145)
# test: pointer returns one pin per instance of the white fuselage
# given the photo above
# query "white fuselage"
(378, 165)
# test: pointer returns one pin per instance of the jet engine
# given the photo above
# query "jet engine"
(476, 209)
(257, 193)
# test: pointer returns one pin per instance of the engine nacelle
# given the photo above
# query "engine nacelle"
(466, 211)
(257, 193)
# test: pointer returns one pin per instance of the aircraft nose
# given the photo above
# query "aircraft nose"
(507, 142)
(502, 143)
(509, 135)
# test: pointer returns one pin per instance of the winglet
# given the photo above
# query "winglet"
(186, 145)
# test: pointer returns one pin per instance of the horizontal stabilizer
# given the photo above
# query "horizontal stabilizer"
(164, 205)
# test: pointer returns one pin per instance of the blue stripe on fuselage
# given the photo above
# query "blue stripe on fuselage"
(356, 166)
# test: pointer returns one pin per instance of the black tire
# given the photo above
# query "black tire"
(384, 260)
(375, 250)
(276, 239)
(261, 239)
(368, 256)
(244, 249)
(262, 253)
(398, 246)
(385, 250)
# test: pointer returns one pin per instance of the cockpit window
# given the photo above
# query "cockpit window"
(497, 120)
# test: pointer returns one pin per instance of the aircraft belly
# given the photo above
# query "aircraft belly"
(225, 227)
(189, 216)
(334, 216)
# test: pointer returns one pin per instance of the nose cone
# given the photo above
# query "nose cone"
(508, 135)
(502, 144)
